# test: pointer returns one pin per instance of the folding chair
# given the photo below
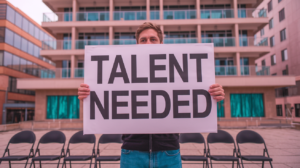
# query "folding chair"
(222, 137)
(107, 138)
(21, 137)
(80, 138)
(194, 138)
(248, 136)
(50, 137)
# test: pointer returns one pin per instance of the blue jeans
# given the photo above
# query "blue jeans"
(159, 159)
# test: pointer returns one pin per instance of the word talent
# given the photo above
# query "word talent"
(172, 101)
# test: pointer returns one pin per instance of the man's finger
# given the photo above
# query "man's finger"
(219, 93)
(84, 85)
(83, 89)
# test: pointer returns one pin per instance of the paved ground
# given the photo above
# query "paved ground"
(283, 146)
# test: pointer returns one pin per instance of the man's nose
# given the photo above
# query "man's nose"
(148, 41)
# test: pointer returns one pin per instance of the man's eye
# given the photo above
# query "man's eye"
(153, 40)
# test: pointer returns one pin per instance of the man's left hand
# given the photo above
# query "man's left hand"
(217, 92)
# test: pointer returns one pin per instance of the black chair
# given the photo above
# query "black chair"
(248, 136)
(50, 137)
(21, 137)
(194, 138)
(107, 138)
(222, 137)
(80, 138)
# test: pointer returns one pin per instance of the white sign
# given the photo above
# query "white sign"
(149, 89)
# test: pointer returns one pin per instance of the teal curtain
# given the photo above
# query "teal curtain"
(52, 107)
(247, 105)
(62, 107)
(220, 109)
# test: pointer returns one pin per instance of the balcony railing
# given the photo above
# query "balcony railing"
(130, 15)
(225, 70)
(251, 70)
(61, 73)
(180, 14)
(81, 43)
(124, 41)
(219, 41)
(92, 16)
(154, 15)
(180, 40)
(216, 13)
(251, 41)
(57, 17)
(252, 13)
(57, 45)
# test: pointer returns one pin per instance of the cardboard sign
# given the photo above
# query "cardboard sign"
(149, 89)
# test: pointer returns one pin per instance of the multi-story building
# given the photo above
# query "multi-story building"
(20, 44)
(229, 24)
(283, 59)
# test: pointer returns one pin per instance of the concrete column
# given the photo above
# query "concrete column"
(199, 33)
(161, 10)
(236, 34)
(148, 9)
(73, 66)
(235, 8)
(26, 113)
(238, 65)
(74, 10)
(111, 35)
(73, 38)
(111, 10)
(198, 10)
(162, 31)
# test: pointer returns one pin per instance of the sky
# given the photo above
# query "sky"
(33, 8)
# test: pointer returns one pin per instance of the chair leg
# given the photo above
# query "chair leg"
(95, 165)
(70, 164)
(211, 164)
(59, 162)
(99, 164)
(25, 163)
(232, 164)
(203, 164)
(207, 165)
(9, 164)
(242, 163)
(271, 164)
(263, 164)
(40, 164)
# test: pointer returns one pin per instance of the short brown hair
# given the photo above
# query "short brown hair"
(148, 25)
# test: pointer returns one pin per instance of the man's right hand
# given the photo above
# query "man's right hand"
(83, 91)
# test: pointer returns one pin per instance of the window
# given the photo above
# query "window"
(286, 71)
(62, 107)
(36, 51)
(247, 105)
(41, 35)
(17, 41)
(25, 25)
(279, 110)
(1, 58)
(273, 60)
(9, 37)
(31, 29)
(220, 109)
(36, 32)
(279, 1)
(284, 55)
(30, 48)
(281, 15)
(297, 110)
(16, 63)
(2, 34)
(24, 45)
(23, 66)
(8, 59)
(272, 41)
(263, 63)
(282, 35)
(270, 7)
(271, 23)
(19, 19)
(10, 14)
(262, 32)
(274, 74)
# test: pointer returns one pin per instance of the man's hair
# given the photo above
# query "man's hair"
(148, 25)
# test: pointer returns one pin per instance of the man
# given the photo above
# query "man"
(154, 150)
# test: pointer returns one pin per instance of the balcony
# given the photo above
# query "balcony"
(130, 15)
(216, 13)
(252, 13)
(124, 41)
(251, 41)
(180, 14)
(225, 70)
(92, 16)
(180, 40)
(255, 70)
(57, 45)
(61, 73)
(81, 43)
(220, 41)
(57, 17)
(154, 15)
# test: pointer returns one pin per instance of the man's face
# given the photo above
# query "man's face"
(148, 36)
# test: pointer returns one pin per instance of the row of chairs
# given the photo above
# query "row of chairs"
(245, 136)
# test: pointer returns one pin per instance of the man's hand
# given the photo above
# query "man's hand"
(217, 92)
(83, 91)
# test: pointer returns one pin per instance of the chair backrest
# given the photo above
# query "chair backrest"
(220, 137)
(78, 137)
(110, 138)
(53, 137)
(191, 138)
(23, 137)
(248, 136)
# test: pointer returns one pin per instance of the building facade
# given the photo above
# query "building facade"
(283, 34)
(229, 24)
(20, 45)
